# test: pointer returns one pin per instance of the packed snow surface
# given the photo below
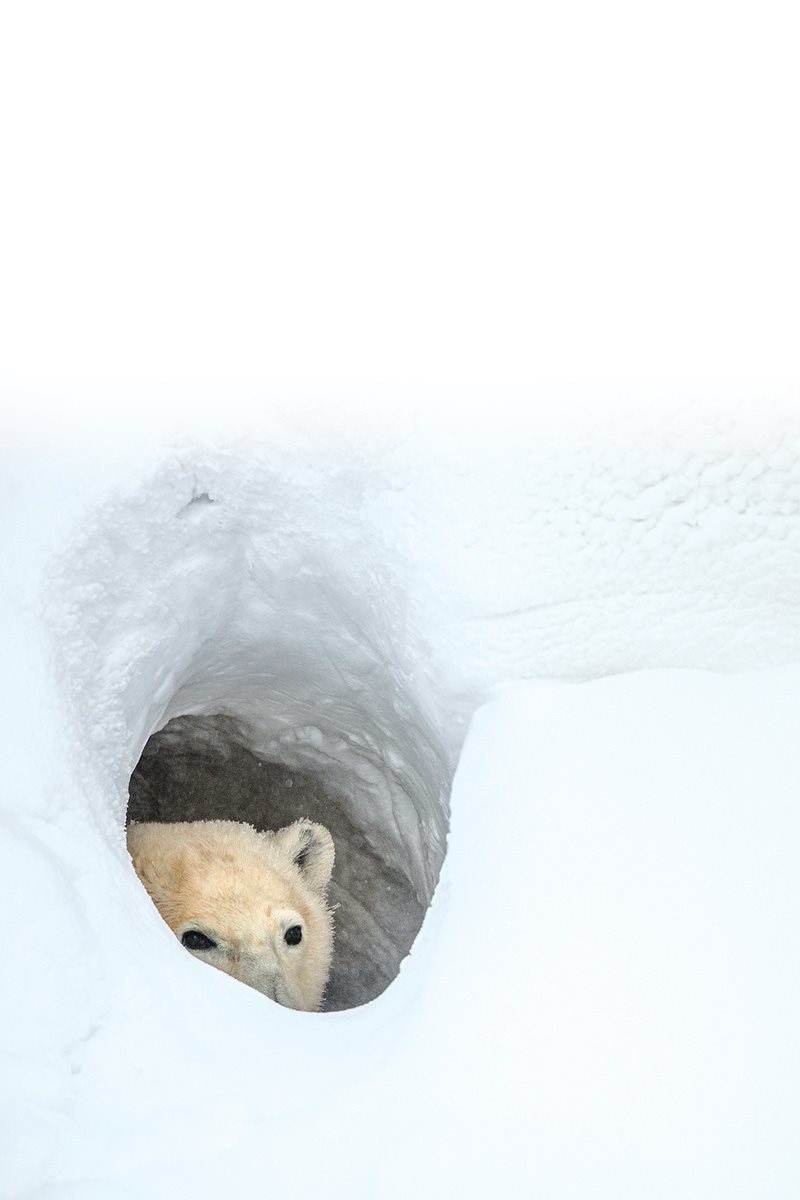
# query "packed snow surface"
(602, 997)
(326, 457)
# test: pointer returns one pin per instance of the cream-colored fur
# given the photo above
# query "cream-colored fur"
(243, 890)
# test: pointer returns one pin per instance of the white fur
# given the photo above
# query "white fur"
(243, 890)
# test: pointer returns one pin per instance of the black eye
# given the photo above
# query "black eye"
(293, 936)
(193, 939)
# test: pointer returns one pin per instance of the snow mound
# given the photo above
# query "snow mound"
(603, 986)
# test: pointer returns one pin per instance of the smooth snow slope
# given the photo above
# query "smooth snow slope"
(605, 987)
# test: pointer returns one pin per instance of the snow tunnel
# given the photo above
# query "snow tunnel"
(379, 797)
(608, 960)
(265, 677)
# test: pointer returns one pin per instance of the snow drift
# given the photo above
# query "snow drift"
(607, 962)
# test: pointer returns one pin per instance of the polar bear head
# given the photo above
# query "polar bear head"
(251, 904)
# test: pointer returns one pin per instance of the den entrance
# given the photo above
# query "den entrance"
(388, 827)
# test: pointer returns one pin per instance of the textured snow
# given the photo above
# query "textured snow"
(604, 989)
(370, 376)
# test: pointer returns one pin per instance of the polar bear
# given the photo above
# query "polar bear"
(252, 904)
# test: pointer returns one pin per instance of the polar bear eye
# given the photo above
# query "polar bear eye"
(293, 936)
(193, 939)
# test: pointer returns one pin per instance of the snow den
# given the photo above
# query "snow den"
(383, 811)
(238, 649)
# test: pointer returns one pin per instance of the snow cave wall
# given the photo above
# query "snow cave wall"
(344, 607)
(270, 633)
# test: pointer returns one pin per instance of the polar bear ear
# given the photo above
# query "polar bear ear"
(310, 847)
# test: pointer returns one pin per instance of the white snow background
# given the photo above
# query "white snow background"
(449, 355)
(603, 998)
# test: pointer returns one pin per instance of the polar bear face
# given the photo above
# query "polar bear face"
(251, 904)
